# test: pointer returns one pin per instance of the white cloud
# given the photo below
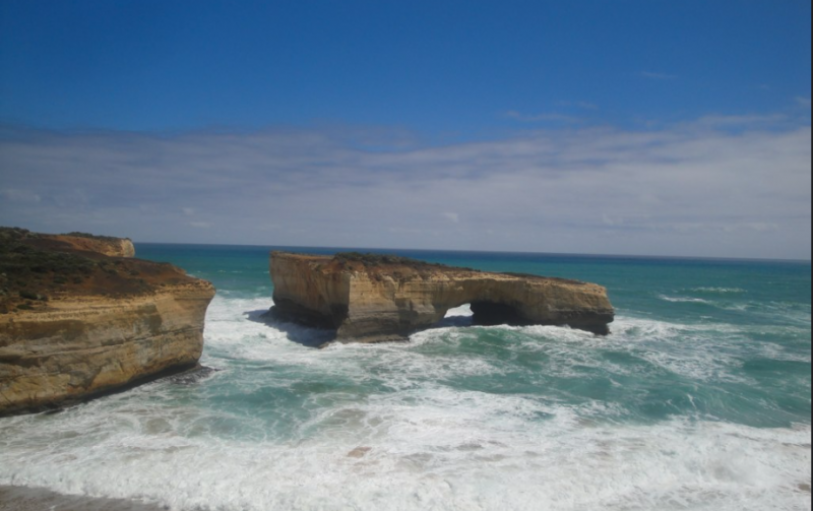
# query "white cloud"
(611, 221)
(698, 188)
(734, 121)
(763, 226)
(13, 195)
(803, 102)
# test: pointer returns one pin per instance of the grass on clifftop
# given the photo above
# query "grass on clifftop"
(383, 260)
(77, 234)
(36, 268)
(380, 261)
(389, 262)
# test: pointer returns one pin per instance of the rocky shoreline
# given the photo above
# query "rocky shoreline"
(21, 498)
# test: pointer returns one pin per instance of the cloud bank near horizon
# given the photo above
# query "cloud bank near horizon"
(719, 187)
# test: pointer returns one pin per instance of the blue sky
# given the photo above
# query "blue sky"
(627, 126)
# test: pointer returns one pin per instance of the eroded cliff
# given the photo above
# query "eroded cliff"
(380, 298)
(75, 323)
(113, 247)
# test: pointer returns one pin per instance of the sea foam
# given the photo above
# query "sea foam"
(432, 424)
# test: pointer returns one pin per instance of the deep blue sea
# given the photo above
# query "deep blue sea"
(700, 399)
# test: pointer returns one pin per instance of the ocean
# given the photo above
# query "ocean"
(700, 399)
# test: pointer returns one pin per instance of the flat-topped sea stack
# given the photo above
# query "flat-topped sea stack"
(76, 323)
(372, 298)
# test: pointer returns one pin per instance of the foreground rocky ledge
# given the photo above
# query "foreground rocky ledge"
(17, 498)
(369, 298)
(75, 323)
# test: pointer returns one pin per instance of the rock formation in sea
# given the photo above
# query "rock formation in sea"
(76, 323)
(369, 298)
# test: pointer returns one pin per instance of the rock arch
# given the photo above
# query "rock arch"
(379, 298)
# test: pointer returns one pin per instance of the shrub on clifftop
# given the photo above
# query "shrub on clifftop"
(35, 267)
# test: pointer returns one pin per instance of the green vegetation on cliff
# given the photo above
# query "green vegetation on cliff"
(369, 259)
(29, 274)
(35, 268)
(77, 234)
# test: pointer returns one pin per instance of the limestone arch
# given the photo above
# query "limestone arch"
(488, 312)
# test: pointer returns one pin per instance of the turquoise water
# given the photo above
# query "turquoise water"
(699, 399)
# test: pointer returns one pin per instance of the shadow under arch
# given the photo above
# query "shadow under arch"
(483, 313)
(306, 336)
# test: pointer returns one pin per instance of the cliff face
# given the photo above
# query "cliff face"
(369, 299)
(113, 247)
(74, 323)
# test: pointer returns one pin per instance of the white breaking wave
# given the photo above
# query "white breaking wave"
(445, 452)
(419, 445)
(683, 299)
(718, 290)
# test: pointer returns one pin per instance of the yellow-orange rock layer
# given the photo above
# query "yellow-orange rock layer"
(382, 301)
(82, 346)
(113, 247)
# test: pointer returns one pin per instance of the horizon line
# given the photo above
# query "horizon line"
(521, 252)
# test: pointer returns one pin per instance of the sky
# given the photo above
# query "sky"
(641, 127)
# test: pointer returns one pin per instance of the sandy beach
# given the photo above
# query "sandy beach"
(15, 498)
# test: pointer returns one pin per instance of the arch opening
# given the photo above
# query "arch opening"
(486, 313)
(460, 316)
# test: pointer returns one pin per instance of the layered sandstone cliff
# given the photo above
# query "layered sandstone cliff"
(379, 298)
(76, 323)
(113, 247)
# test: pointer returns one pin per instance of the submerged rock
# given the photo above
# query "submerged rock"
(369, 298)
(76, 323)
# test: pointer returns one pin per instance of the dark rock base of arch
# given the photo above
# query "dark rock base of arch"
(493, 314)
